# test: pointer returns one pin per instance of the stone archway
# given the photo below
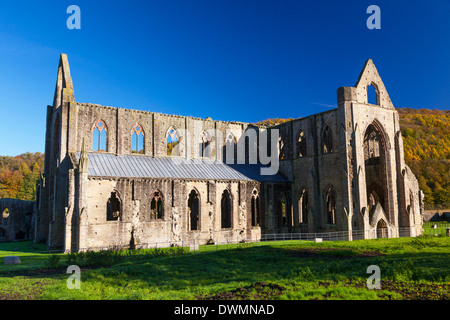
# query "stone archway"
(377, 172)
(382, 231)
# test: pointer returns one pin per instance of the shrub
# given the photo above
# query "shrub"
(53, 261)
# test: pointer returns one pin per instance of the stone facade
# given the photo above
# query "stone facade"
(17, 219)
(342, 170)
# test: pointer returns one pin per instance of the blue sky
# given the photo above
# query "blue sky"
(245, 60)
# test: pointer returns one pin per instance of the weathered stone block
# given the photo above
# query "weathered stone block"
(346, 94)
(12, 260)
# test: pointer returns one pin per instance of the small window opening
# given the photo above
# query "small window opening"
(372, 95)
(303, 206)
(331, 205)
(194, 210)
(327, 140)
(156, 206)
(5, 213)
(301, 144)
(282, 211)
(113, 208)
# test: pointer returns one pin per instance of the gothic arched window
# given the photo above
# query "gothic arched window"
(99, 136)
(303, 207)
(281, 153)
(204, 147)
(156, 206)
(137, 139)
(194, 210)
(172, 143)
(226, 210)
(113, 207)
(256, 215)
(371, 143)
(331, 205)
(327, 140)
(282, 211)
(301, 144)
(230, 150)
(373, 95)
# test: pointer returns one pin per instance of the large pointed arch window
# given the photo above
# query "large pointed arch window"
(303, 206)
(226, 210)
(194, 211)
(255, 209)
(205, 145)
(172, 142)
(373, 200)
(230, 150)
(331, 205)
(371, 144)
(281, 149)
(282, 211)
(156, 206)
(113, 207)
(327, 140)
(301, 144)
(137, 139)
(99, 136)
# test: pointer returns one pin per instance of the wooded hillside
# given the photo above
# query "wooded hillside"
(19, 175)
(426, 143)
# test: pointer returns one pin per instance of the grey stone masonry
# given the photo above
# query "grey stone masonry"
(117, 177)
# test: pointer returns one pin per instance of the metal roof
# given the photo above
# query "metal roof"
(140, 166)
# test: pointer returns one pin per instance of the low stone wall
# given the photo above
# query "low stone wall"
(436, 215)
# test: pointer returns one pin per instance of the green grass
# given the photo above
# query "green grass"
(31, 255)
(411, 268)
(439, 231)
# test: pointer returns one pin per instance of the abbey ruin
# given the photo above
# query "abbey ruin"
(116, 177)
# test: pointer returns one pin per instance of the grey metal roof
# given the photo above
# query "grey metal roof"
(139, 166)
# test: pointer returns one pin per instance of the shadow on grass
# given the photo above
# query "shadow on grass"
(261, 272)
(273, 264)
(22, 247)
(252, 264)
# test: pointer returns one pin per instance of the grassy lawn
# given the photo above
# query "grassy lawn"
(411, 268)
(440, 230)
(31, 255)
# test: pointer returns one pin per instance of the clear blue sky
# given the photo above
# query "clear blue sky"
(244, 60)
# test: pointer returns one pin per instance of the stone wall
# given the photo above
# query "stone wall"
(329, 163)
(19, 224)
(136, 227)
